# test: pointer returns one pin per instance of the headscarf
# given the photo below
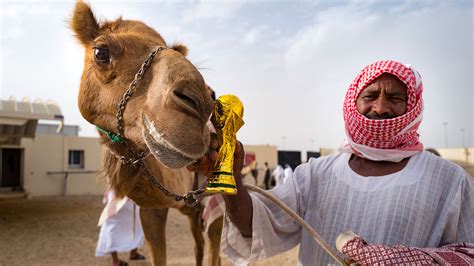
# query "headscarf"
(388, 139)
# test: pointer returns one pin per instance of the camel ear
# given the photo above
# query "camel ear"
(180, 48)
(84, 24)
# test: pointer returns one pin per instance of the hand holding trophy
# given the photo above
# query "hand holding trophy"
(227, 119)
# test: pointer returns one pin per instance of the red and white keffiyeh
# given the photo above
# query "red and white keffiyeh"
(387, 139)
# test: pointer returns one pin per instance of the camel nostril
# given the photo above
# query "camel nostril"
(186, 99)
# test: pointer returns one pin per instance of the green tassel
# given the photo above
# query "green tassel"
(112, 136)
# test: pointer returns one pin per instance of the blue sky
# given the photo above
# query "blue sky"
(289, 61)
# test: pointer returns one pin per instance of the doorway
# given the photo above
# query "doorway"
(10, 164)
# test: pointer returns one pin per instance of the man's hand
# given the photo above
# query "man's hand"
(205, 164)
(239, 155)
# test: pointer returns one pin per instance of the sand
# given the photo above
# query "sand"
(63, 231)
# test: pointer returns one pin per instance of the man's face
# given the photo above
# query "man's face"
(384, 98)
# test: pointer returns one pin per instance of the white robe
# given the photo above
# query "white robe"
(279, 175)
(116, 231)
(427, 204)
(288, 173)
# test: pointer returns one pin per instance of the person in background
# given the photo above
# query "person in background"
(254, 172)
(288, 173)
(120, 229)
(278, 175)
(267, 176)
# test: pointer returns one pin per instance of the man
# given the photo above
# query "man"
(278, 175)
(267, 176)
(120, 229)
(381, 185)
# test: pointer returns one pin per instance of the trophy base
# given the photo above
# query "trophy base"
(221, 190)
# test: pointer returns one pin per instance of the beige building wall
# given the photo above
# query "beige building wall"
(263, 153)
(86, 183)
(49, 153)
(462, 156)
(327, 151)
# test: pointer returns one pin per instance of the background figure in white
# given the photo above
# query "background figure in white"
(279, 175)
(288, 172)
(121, 229)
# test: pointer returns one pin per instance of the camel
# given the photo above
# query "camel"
(151, 106)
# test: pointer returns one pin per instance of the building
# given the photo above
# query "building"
(462, 156)
(260, 154)
(45, 159)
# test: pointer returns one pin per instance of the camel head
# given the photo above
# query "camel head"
(166, 113)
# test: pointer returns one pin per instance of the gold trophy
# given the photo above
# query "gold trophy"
(227, 118)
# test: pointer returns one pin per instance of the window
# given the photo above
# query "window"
(76, 159)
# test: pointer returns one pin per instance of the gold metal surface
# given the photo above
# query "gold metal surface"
(227, 118)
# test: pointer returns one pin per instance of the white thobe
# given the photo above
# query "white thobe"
(288, 172)
(279, 175)
(117, 231)
(427, 204)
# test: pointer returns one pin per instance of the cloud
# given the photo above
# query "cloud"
(206, 10)
(253, 35)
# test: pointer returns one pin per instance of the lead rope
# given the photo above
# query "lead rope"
(326, 247)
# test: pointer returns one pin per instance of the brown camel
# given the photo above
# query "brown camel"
(146, 98)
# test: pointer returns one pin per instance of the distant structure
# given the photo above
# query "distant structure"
(47, 158)
(293, 158)
(19, 119)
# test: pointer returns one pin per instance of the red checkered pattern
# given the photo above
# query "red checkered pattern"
(384, 134)
(454, 254)
(358, 250)
(459, 254)
(213, 210)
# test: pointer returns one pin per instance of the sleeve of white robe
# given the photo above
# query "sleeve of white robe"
(460, 225)
(273, 230)
(466, 219)
(457, 210)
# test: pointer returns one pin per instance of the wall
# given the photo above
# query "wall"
(264, 153)
(47, 153)
(327, 151)
(85, 183)
(462, 156)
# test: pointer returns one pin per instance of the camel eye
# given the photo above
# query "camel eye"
(102, 55)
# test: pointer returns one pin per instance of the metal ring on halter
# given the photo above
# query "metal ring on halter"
(192, 198)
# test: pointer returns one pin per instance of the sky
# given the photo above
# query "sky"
(290, 62)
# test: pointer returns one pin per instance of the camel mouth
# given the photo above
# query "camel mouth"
(163, 150)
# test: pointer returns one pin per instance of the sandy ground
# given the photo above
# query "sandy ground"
(63, 231)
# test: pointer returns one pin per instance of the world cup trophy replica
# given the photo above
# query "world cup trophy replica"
(227, 118)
